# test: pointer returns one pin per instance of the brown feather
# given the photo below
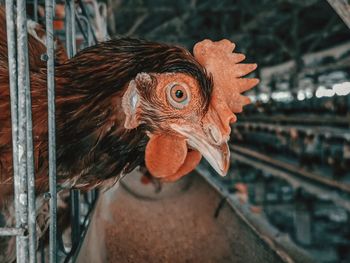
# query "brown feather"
(92, 143)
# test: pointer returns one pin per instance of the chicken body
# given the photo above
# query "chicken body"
(93, 144)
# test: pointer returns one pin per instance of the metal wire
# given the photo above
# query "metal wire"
(35, 10)
(30, 164)
(85, 14)
(12, 64)
(49, 11)
(87, 37)
(70, 28)
(23, 94)
(71, 50)
(30, 167)
(30, 180)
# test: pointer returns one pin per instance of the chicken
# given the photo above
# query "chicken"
(126, 103)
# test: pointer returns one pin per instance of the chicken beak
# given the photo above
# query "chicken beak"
(215, 151)
(218, 156)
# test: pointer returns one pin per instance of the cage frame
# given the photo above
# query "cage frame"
(22, 137)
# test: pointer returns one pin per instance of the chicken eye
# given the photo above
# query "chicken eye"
(178, 95)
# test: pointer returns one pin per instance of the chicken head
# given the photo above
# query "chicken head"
(181, 124)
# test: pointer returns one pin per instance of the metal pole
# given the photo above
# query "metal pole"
(75, 218)
(73, 37)
(50, 10)
(12, 64)
(70, 28)
(30, 168)
(30, 158)
(35, 10)
(23, 94)
(85, 13)
(85, 30)
(71, 50)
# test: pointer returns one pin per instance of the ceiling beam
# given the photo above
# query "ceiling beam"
(342, 8)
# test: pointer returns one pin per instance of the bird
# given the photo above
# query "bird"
(127, 103)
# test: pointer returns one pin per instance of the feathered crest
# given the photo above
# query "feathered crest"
(227, 72)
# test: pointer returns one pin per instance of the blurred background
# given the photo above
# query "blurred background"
(291, 146)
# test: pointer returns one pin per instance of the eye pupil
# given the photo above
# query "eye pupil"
(179, 94)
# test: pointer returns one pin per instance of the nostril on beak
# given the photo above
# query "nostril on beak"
(232, 119)
(214, 134)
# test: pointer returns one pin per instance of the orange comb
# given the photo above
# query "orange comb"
(227, 72)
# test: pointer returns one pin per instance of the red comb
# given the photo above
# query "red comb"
(227, 72)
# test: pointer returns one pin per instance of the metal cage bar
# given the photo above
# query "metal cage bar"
(24, 164)
(70, 28)
(35, 10)
(12, 231)
(83, 9)
(12, 64)
(49, 11)
(71, 50)
(89, 37)
(22, 138)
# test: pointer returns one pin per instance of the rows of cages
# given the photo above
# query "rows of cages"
(78, 24)
(314, 222)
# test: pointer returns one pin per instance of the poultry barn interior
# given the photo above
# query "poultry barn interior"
(286, 194)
